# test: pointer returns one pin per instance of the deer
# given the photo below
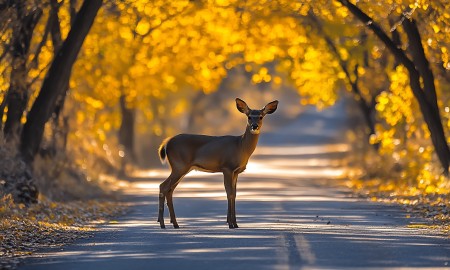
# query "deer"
(227, 154)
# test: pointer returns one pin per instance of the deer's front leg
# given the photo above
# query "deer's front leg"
(230, 180)
(233, 200)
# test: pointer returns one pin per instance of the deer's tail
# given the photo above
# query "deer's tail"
(162, 152)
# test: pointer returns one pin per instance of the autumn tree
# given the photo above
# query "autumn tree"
(421, 76)
(25, 18)
(22, 28)
(56, 80)
(144, 64)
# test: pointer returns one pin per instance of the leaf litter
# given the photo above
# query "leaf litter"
(24, 230)
(433, 206)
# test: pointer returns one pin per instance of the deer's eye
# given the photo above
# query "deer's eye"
(249, 118)
(260, 117)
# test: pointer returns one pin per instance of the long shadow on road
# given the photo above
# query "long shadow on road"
(291, 212)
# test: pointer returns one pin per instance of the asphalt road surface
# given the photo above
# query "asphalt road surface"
(291, 212)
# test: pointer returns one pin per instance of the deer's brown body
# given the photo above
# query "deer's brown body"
(226, 154)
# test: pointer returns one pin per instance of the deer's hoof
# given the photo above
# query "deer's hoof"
(163, 226)
(233, 226)
(176, 226)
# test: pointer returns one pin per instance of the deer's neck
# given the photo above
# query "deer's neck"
(249, 142)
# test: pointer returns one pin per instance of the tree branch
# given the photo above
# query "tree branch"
(55, 26)
(379, 32)
(72, 11)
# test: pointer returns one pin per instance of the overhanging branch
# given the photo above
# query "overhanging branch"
(379, 32)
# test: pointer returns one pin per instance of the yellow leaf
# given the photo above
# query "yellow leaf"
(344, 54)
(142, 27)
(277, 80)
(125, 33)
(430, 189)
(436, 28)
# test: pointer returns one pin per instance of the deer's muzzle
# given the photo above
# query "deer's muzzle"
(254, 129)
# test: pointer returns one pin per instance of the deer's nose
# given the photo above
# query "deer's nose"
(254, 126)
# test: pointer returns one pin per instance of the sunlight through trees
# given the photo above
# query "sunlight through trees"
(143, 64)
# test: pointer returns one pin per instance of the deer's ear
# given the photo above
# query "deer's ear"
(242, 106)
(271, 107)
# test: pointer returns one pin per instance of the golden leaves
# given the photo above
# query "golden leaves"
(154, 52)
(261, 76)
(314, 78)
(396, 105)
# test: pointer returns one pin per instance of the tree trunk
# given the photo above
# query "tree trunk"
(56, 80)
(429, 89)
(18, 89)
(421, 63)
(57, 43)
(426, 97)
(395, 38)
(126, 133)
(432, 120)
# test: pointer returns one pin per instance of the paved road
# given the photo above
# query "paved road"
(291, 213)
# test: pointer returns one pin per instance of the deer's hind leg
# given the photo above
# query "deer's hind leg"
(166, 191)
(173, 218)
(162, 199)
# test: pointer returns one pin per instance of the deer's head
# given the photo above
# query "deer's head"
(255, 117)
